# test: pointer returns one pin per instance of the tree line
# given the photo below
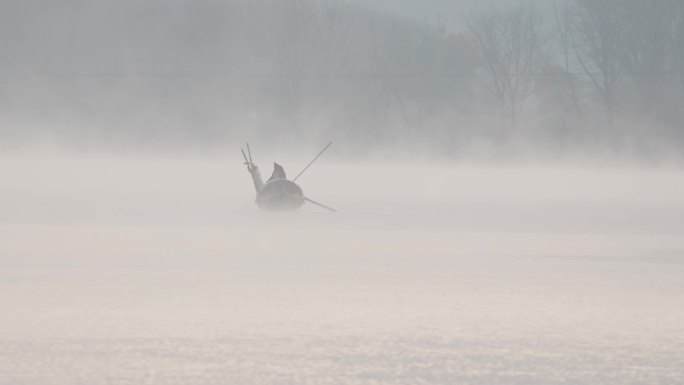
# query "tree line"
(602, 73)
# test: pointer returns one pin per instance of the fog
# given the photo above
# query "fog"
(517, 78)
(128, 269)
(507, 179)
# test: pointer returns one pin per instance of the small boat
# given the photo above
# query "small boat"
(279, 193)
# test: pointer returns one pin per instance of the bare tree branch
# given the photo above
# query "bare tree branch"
(513, 49)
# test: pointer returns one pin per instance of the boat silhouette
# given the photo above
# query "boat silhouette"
(279, 193)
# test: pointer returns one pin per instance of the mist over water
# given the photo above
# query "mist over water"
(121, 269)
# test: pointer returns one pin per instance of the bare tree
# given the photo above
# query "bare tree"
(679, 73)
(563, 18)
(513, 48)
(650, 52)
(598, 40)
(680, 49)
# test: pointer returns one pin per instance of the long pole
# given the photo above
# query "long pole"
(312, 162)
(249, 165)
(320, 204)
(249, 152)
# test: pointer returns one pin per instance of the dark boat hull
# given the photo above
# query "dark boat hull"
(280, 195)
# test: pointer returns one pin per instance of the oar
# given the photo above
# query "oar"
(249, 152)
(247, 162)
(312, 162)
(320, 204)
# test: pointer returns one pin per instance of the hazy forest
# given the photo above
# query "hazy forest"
(588, 76)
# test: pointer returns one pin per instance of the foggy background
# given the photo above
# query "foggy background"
(494, 79)
(507, 176)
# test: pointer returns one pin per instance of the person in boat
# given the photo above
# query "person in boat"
(277, 193)
(278, 172)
